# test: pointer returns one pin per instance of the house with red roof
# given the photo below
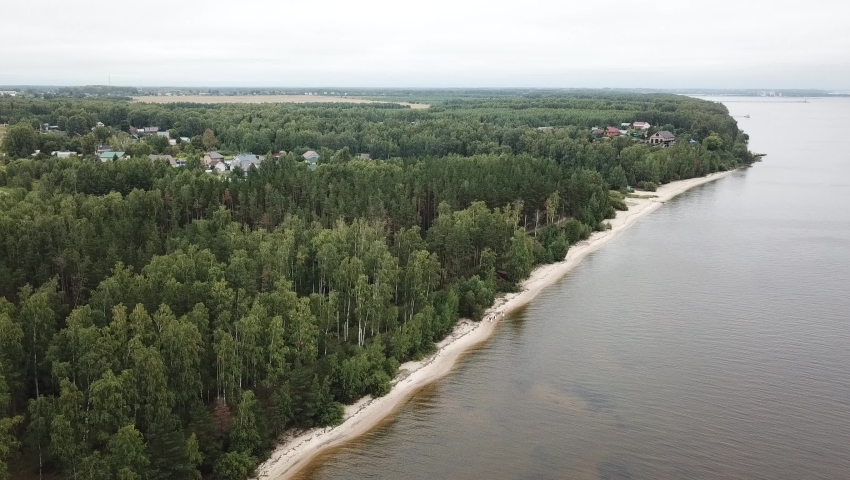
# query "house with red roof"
(612, 132)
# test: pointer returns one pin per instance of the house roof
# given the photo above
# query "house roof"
(612, 129)
(640, 124)
(665, 135)
(215, 156)
(246, 164)
(310, 153)
(162, 134)
(246, 157)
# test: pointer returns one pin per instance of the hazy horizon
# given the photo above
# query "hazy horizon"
(377, 44)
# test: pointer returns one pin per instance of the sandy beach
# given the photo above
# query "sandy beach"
(297, 450)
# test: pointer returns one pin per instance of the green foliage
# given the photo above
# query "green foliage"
(163, 323)
(554, 242)
(20, 140)
(713, 142)
(475, 296)
(234, 466)
(127, 457)
(617, 200)
(9, 442)
(245, 435)
(648, 186)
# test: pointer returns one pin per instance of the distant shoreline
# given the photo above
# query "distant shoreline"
(296, 451)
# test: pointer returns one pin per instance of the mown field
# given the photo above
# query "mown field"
(263, 99)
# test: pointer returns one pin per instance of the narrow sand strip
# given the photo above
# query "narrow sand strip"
(296, 450)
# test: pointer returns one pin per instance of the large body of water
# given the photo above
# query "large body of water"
(712, 340)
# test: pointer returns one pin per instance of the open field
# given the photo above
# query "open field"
(264, 99)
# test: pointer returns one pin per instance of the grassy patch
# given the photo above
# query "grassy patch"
(635, 195)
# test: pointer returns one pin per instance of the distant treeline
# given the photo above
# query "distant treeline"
(165, 323)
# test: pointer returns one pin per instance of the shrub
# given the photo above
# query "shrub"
(616, 200)
(648, 186)
(575, 231)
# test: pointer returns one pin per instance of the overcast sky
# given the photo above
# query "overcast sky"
(436, 43)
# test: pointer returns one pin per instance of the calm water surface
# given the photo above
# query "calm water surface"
(710, 341)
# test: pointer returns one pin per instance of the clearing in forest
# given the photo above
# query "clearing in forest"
(264, 99)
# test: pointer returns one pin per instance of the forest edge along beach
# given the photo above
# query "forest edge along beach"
(166, 315)
(297, 450)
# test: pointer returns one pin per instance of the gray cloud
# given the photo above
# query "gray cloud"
(535, 43)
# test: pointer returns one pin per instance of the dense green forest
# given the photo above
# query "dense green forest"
(167, 323)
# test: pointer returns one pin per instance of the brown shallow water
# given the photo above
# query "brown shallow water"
(712, 340)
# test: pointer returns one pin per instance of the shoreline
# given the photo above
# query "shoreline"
(299, 448)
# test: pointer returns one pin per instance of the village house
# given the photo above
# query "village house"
(596, 131)
(245, 160)
(663, 138)
(103, 148)
(641, 125)
(218, 166)
(110, 155)
(364, 156)
(149, 130)
(211, 157)
(612, 132)
(311, 158)
(59, 154)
